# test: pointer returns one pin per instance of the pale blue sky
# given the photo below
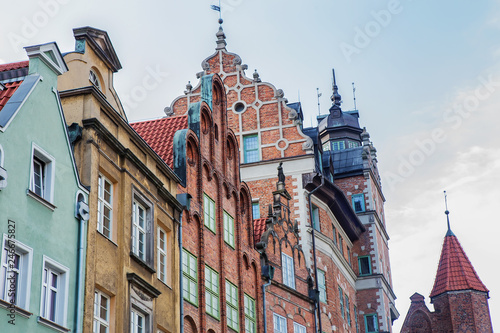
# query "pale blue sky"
(422, 69)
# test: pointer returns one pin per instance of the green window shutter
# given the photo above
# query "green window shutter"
(190, 277)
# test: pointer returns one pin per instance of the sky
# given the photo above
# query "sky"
(427, 78)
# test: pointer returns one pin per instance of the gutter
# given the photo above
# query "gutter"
(83, 216)
(264, 303)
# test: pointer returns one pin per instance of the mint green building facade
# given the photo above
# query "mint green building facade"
(43, 208)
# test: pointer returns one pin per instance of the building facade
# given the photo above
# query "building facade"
(335, 235)
(132, 281)
(459, 297)
(43, 206)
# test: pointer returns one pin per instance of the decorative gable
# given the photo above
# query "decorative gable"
(49, 53)
(99, 41)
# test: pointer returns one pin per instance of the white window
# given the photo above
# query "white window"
(101, 312)
(42, 174)
(322, 286)
(297, 328)
(139, 230)
(54, 300)
(279, 323)
(256, 209)
(105, 206)
(163, 243)
(288, 270)
(137, 322)
(15, 272)
(94, 79)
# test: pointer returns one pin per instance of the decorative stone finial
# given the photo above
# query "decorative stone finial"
(168, 111)
(221, 39)
(256, 77)
(365, 137)
(189, 88)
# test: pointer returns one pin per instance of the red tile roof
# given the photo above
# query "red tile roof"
(159, 134)
(455, 271)
(14, 65)
(259, 226)
(11, 87)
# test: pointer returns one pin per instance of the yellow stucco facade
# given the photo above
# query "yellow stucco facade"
(132, 260)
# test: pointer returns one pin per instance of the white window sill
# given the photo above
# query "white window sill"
(7, 306)
(51, 324)
(41, 200)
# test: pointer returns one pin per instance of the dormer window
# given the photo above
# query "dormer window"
(94, 79)
(353, 144)
(338, 145)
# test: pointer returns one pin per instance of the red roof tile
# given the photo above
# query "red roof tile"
(14, 65)
(455, 271)
(159, 134)
(5, 94)
(11, 87)
(259, 226)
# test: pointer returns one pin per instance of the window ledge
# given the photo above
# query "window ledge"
(52, 325)
(6, 305)
(142, 263)
(109, 239)
(40, 200)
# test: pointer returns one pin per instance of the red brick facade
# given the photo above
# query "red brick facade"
(259, 108)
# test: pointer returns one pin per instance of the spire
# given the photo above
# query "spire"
(455, 271)
(336, 98)
(447, 212)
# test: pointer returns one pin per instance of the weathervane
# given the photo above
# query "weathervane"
(447, 212)
(354, 95)
(319, 95)
(218, 9)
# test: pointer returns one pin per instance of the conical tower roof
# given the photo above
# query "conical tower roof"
(455, 271)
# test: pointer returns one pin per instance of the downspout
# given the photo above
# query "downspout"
(83, 216)
(317, 318)
(264, 303)
(185, 200)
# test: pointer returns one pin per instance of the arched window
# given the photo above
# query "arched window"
(94, 79)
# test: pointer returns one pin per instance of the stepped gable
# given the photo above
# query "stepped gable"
(159, 134)
(455, 271)
(12, 76)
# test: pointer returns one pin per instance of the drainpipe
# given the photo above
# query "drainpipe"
(83, 216)
(318, 314)
(185, 201)
(264, 303)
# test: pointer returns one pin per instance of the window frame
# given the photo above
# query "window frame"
(334, 232)
(101, 322)
(188, 277)
(315, 218)
(102, 204)
(287, 266)
(209, 213)
(347, 309)
(338, 145)
(135, 314)
(298, 328)
(255, 212)
(138, 230)
(94, 79)
(356, 318)
(341, 303)
(368, 258)
(246, 157)
(326, 146)
(25, 263)
(279, 319)
(358, 198)
(250, 314)
(232, 306)
(147, 260)
(322, 286)
(210, 293)
(61, 310)
(47, 163)
(163, 253)
(374, 317)
(228, 229)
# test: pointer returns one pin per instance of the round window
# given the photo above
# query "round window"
(239, 107)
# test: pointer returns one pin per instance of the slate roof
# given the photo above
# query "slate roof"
(159, 134)
(259, 226)
(455, 271)
(8, 72)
